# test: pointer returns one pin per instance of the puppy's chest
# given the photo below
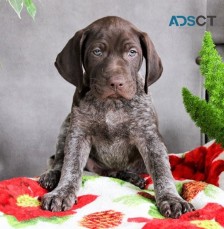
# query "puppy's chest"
(114, 119)
(110, 138)
(111, 125)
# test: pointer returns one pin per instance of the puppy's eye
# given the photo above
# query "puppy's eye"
(97, 52)
(132, 52)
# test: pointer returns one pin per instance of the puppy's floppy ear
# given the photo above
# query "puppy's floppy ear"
(154, 66)
(69, 60)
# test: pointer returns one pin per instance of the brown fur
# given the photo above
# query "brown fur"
(112, 129)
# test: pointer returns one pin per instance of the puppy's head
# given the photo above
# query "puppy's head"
(110, 50)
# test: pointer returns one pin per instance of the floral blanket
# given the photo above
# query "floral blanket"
(111, 203)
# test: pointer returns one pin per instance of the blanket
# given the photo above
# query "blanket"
(112, 203)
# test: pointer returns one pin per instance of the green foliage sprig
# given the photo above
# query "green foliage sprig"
(17, 5)
(209, 116)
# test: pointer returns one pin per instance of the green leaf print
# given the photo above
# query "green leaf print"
(154, 212)
(21, 224)
(211, 191)
(132, 200)
(86, 178)
(118, 181)
(179, 186)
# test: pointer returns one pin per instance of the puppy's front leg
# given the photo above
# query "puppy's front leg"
(155, 156)
(50, 178)
(77, 149)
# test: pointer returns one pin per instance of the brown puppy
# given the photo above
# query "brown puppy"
(112, 129)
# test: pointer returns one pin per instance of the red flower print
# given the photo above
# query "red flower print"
(199, 164)
(211, 211)
(163, 223)
(211, 215)
(190, 166)
(148, 180)
(20, 197)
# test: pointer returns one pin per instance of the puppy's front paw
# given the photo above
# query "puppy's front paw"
(56, 201)
(49, 180)
(173, 206)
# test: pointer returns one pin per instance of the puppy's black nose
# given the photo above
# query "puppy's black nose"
(116, 83)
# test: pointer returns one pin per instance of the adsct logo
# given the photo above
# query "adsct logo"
(191, 20)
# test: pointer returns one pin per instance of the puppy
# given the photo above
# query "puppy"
(112, 128)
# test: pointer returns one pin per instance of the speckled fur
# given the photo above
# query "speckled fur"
(109, 135)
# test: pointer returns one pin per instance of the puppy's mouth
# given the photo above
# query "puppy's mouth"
(111, 95)
(107, 93)
(115, 96)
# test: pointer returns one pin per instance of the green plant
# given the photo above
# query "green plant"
(209, 115)
(17, 5)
